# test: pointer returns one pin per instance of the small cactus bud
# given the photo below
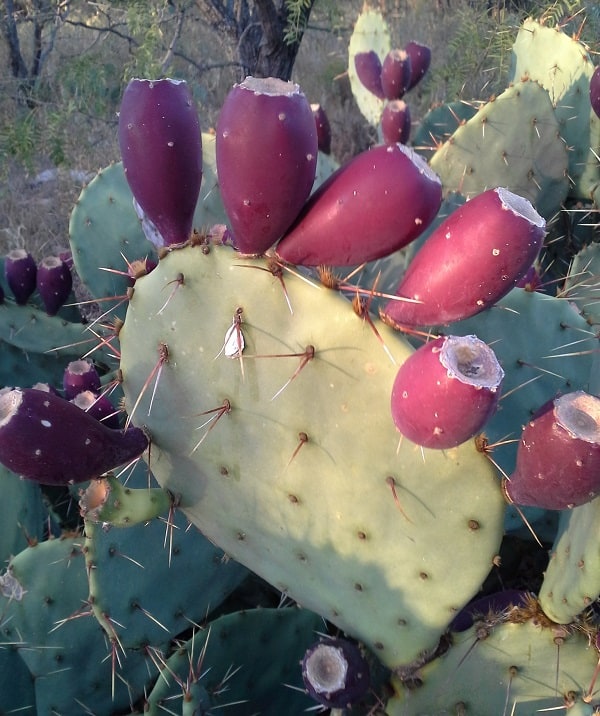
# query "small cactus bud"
(323, 128)
(99, 407)
(20, 271)
(78, 376)
(335, 673)
(54, 283)
(395, 122)
(368, 69)
(395, 74)
(420, 59)
(446, 391)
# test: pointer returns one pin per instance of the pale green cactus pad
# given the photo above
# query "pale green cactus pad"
(288, 458)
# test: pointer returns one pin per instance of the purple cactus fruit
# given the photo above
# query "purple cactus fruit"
(420, 59)
(395, 122)
(497, 605)
(558, 458)
(469, 262)
(323, 128)
(99, 407)
(446, 391)
(80, 375)
(335, 673)
(20, 271)
(45, 438)
(266, 153)
(54, 283)
(395, 74)
(372, 206)
(368, 69)
(595, 91)
(161, 146)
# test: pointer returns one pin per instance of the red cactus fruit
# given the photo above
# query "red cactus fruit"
(80, 375)
(266, 153)
(54, 283)
(161, 146)
(395, 74)
(558, 458)
(395, 122)
(323, 128)
(420, 59)
(471, 260)
(335, 673)
(20, 271)
(446, 391)
(368, 69)
(595, 91)
(45, 438)
(374, 205)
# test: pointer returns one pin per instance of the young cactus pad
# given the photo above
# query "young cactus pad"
(275, 430)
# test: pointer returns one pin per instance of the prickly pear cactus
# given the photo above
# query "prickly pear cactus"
(268, 405)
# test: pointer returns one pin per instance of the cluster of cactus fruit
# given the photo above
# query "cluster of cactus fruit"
(363, 385)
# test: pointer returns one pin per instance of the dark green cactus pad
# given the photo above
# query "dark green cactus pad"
(250, 665)
(562, 65)
(572, 579)
(22, 514)
(43, 605)
(194, 578)
(583, 281)
(513, 141)
(291, 463)
(544, 346)
(489, 671)
(371, 33)
(439, 124)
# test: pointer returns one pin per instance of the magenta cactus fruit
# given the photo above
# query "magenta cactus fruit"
(45, 438)
(266, 153)
(420, 59)
(446, 391)
(368, 70)
(20, 271)
(161, 147)
(595, 91)
(396, 74)
(558, 458)
(54, 283)
(471, 260)
(80, 375)
(335, 673)
(323, 128)
(374, 205)
(395, 122)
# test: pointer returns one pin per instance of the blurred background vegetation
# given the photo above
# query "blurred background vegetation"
(64, 64)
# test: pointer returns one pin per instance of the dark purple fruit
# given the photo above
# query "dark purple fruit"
(396, 74)
(368, 69)
(323, 128)
(45, 438)
(395, 122)
(161, 146)
(54, 283)
(595, 91)
(80, 375)
(335, 673)
(446, 391)
(420, 59)
(20, 271)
